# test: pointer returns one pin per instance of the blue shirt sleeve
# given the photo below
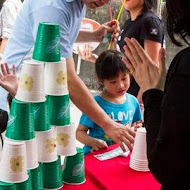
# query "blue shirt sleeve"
(138, 114)
(86, 121)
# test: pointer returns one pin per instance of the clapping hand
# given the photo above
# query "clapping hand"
(145, 71)
(8, 80)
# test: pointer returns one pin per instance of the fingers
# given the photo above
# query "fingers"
(128, 64)
(79, 51)
(3, 70)
(14, 69)
(7, 68)
(126, 142)
(132, 53)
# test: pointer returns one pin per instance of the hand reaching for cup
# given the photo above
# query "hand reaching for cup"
(8, 80)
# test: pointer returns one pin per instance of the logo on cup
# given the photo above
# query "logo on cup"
(63, 112)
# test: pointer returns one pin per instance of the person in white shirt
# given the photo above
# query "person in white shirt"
(8, 15)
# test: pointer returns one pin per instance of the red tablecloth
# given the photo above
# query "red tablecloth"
(113, 174)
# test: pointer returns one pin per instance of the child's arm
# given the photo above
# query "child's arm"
(83, 137)
(8, 80)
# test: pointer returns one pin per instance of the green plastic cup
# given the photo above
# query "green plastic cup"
(47, 45)
(59, 107)
(26, 185)
(41, 116)
(21, 122)
(52, 175)
(73, 171)
(7, 186)
(37, 178)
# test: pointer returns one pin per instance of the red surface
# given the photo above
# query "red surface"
(113, 174)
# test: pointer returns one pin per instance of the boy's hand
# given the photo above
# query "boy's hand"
(98, 144)
(137, 125)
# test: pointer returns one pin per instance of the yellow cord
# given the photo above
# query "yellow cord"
(117, 20)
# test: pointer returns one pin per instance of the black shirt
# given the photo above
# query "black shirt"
(168, 128)
(147, 26)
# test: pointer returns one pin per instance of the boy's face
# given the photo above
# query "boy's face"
(93, 4)
(118, 86)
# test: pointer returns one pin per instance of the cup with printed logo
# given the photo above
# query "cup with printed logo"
(73, 168)
(26, 185)
(7, 186)
(41, 116)
(59, 107)
(47, 148)
(31, 86)
(37, 178)
(52, 175)
(13, 162)
(31, 154)
(21, 122)
(56, 78)
(47, 45)
(66, 140)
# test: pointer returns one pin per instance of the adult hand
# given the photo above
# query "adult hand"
(120, 134)
(110, 27)
(145, 71)
(8, 80)
(86, 53)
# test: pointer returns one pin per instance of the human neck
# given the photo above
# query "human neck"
(135, 13)
(113, 99)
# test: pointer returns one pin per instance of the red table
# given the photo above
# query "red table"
(113, 174)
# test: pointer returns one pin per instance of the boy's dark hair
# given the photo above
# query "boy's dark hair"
(177, 20)
(109, 64)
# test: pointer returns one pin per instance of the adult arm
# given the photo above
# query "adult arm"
(3, 45)
(98, 34)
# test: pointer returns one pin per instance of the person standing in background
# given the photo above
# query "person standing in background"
(8, 14)
(145, 26)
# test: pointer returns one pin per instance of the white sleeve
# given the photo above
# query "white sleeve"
(8, 18)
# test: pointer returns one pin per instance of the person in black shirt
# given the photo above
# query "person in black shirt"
(167, 102)
(143, 25)
(147, 28)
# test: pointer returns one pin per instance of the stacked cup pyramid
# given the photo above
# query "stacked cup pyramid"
(39, 127)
